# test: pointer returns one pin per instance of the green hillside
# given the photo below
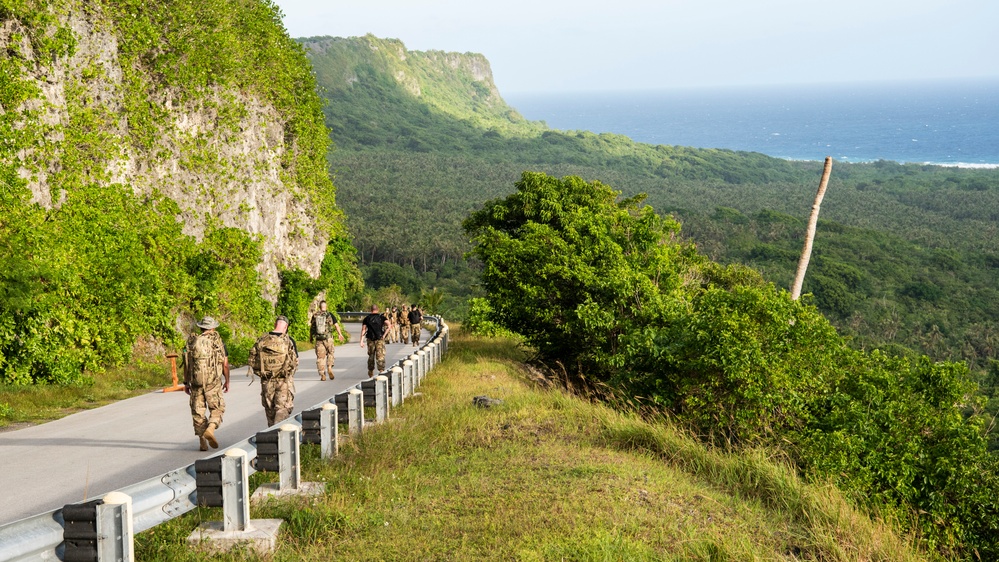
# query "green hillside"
(544, 476)
(906, 257)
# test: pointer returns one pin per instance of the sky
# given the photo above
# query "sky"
(541, 46)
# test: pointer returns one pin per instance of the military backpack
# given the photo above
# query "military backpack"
(203, 357)
(322, 325)
(273, 354)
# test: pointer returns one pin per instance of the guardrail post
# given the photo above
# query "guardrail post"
(291, 467)
(235, 491)
(99, 530)
(375, 395)
(407, 378)
(224, 481)
(381, 398)
(423, 366)
(330, 433)
(396, 386)
(319, 427)
(434, 358)
(115, 539)
(278, 451)
(355, 411)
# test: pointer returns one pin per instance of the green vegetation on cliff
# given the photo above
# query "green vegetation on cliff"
(121, 123)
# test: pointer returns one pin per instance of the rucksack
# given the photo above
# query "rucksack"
(204, 359)
(272, 355)
(322, 326)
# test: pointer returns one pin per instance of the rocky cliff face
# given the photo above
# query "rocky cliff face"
(456, 84)
(224, 151)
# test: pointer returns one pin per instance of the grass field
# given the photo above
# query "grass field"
(26, 405)
(543, 476)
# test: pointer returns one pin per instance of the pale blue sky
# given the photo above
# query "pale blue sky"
(554, 45)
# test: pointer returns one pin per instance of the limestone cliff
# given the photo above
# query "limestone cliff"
(229, 149)
(457, 85)
(158, 161)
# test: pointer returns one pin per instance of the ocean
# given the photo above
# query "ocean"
(952, 123)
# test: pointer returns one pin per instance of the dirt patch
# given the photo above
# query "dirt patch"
(15, 426)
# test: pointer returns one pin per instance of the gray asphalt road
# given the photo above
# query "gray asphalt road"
(90, 453)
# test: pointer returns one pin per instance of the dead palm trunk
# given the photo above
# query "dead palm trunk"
(806, 252)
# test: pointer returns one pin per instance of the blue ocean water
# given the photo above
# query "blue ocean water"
(953, 123)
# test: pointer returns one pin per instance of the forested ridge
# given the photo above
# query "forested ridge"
(905, 257)
(881, 379)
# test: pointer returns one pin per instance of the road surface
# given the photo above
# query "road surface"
(90, 453)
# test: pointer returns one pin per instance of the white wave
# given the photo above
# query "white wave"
(976, 165)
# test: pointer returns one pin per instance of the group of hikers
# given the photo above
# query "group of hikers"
(274, 358)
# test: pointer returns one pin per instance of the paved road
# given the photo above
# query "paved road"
(90, 453)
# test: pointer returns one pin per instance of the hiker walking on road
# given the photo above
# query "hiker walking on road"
(321, 332)
(206, 377)
(404, 324)
(274, 357)
(373, 330)
(416, 323)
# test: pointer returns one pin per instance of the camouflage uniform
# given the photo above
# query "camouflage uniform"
(396, 334)
(375, 335)
(207, 403)
(404, 324)
(277, 388)
(324, 345)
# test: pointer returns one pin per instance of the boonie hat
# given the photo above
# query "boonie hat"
(208, 323)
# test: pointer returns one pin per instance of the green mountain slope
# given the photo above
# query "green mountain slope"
(905, 256)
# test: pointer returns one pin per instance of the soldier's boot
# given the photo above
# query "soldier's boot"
(209, 436)
(332, 376)
(370, 373)
(204, 443)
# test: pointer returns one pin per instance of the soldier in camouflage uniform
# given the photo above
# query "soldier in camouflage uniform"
(206, 377)
(394, 317)
(389, 328)
(321, 332)
(274, 357)
(373, 330)
(404, 324)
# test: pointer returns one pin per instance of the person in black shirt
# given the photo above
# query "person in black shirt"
(416, 323)
(373, 330)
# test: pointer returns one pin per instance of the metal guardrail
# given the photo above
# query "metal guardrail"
(159, 499)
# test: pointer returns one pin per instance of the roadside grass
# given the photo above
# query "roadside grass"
(25, 405)
(543, 476)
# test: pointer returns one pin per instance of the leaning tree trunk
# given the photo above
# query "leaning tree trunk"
(806, 252)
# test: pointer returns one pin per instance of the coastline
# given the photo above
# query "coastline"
(949, 124)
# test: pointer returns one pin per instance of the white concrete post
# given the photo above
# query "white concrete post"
(355, 416)
(235, 491)
(381, 398)
(288, 453)
(115, 537)
(330, 431)
(407, 378)
(423, 366)
(396, 381)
